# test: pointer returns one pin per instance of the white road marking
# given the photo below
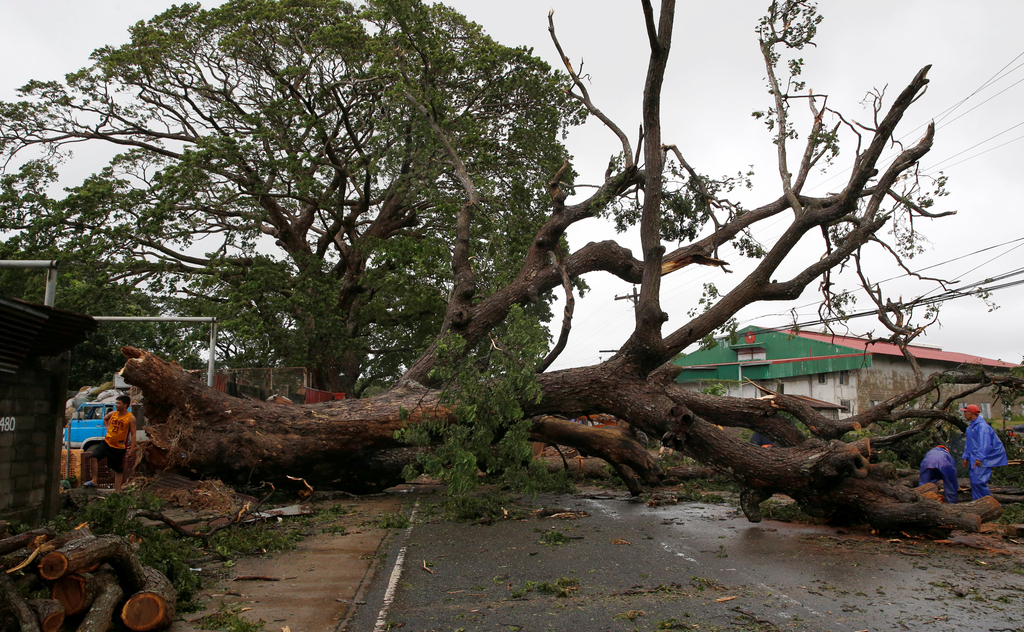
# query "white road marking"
(396, 575)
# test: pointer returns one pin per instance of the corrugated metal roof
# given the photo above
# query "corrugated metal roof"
(889, 349)
(27, 329)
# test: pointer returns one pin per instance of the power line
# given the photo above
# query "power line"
(981, 153)
(873, 312)
(936, 165)
(942, 263)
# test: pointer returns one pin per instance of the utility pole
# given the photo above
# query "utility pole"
(635, 297)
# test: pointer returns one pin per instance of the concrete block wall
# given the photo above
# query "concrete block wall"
(31, 417)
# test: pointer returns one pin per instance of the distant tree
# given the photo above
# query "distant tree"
(281, 170)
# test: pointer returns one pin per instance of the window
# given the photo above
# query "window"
(782, 389)
(844, 377)
(986, 410)
(823, 378)
(847, 405)
(874, 402)
(753, 353)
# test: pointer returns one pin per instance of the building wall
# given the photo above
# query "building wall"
(31, 416)
(891, 376)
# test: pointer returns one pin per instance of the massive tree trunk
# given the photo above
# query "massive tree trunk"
(342, 444)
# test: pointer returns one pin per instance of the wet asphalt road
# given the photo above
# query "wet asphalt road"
(680, 567)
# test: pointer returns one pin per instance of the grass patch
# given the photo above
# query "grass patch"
(1012, 514)
(227, 619)
(786, 512)
(562, 588)
(693, 491)
(554, 538)
(390, 520)
(631, 615)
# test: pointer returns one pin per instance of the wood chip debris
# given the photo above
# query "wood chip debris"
(427, 569)
(620, 541)
(721, 599)
(570, 515)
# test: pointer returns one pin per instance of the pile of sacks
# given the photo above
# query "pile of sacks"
(103, 394)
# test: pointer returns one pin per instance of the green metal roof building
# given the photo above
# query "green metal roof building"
(841, 373)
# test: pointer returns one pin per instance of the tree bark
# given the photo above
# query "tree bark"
(89, 552)
(200, 430)
(77, 591)
(15, 542)
(152, 607)
(17, 605)
(630, 461)
(101, 613)
(49, 612)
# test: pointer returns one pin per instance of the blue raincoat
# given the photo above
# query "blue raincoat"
(938, 464)
(982, 445)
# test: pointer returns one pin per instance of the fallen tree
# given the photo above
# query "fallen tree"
(335, 444)
(355, 445)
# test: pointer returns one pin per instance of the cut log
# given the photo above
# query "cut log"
(16, 604)
(1013, 530)
(101, 613)
(986, 508)
(15, 542)
(930, 491)
(17, 558)
(77, 591)
(49, 612)
(153, 607)
(85, 553)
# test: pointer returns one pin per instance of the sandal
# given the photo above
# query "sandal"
(89, 484)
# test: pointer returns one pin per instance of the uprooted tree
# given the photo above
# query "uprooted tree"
(481, 383)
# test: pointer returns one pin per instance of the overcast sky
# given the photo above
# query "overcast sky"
(714, 81)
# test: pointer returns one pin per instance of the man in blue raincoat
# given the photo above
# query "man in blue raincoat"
(938, 465)
(982, 452)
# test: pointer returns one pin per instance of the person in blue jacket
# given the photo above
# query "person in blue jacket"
(982, 452)
(938, 465)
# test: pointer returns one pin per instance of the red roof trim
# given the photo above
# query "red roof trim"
(889, 349)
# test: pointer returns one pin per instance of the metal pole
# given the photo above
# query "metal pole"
(51, 275)
(178, 319)
(159, 319)
(213, 352)
(51, 286)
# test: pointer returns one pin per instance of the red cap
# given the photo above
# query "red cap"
(972, 409)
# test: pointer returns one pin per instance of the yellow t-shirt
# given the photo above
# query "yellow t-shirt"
(117, 429)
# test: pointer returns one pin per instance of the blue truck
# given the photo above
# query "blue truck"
(86, 427)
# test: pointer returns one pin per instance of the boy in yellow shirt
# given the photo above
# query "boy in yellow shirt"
(120, 433)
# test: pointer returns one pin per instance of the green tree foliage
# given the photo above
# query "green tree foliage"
(485, 387)
(277, 172)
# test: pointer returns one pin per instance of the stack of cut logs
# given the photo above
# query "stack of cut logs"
(89, 578)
